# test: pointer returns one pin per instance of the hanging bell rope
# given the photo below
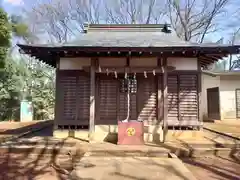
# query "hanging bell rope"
(128, 98)
(115, 73)
(154, 72)
(162, 70)
(145, 74)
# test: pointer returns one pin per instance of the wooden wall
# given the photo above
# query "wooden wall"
(72, 98)
(183, 100)
(79, 63)
(111, 105)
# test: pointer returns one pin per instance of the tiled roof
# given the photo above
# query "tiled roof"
(128, 39)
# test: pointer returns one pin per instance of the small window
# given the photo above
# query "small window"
(129, 84)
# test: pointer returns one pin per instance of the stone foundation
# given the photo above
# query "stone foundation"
(108, 133)
(84, 135)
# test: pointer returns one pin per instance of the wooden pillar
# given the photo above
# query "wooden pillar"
(160, 95)
(165, 98)
(58, 103)
(199, 88)
(92, 97)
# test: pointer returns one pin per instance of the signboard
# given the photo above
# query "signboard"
(26, 111)
(131, 131)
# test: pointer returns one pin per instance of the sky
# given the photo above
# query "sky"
(11, 5)
(16, 6)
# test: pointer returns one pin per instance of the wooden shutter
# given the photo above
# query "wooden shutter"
(74, 97)
(188, 96)
(122, 106)
(69, 93)
(108, 91)
(182, 99)
(83, 99)
(147, 99)
(238, 103)
(173, 108)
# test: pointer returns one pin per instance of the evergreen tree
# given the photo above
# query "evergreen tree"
(5, 37)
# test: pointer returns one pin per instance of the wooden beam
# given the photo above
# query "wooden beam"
(133, 69)
(165, 98)
(92, 97)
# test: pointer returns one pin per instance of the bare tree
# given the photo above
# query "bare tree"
(52, 19)
(134, 11)
(61, 20)
(83, 11)
(232, 34)
(234, 61)
(191, 19)
(194, 19)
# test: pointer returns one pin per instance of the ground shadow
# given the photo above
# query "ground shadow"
(218, 168)
(26, 128)
(38, 155)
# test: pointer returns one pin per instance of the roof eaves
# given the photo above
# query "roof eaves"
(209, 73)
(221, 73)
(228, 73)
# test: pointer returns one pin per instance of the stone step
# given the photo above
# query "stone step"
(29, 142)
(200, 152)
(41, 160)
(222, 138)
(51, 150)
(127, 153)
(215, 151)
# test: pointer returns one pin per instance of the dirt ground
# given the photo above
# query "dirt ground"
(231, 127)
(14, 125)
(23, 167)
(133, 168)
(20, 167)
(38, 167)
(214, 168)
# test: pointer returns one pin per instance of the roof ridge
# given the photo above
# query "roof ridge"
(126, 27)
